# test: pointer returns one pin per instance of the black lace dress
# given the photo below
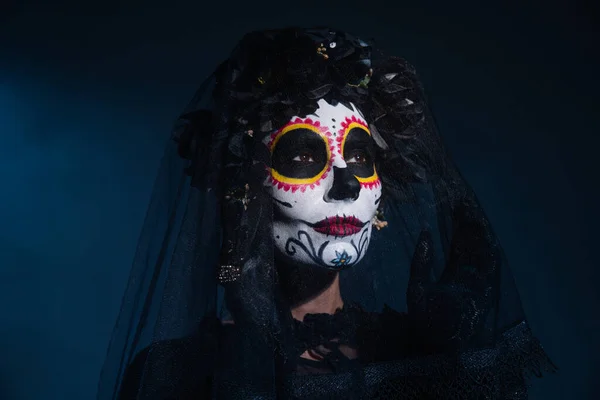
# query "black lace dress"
(347, 355)
(208, 240)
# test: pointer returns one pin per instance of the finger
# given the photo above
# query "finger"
(422, 261)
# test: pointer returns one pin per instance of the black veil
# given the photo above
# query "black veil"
(432, 310)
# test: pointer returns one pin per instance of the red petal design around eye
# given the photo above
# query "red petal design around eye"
(272, 139)
(330, 143)
(371, 185)
(294, 187)
(350, 120)
(345, 124)
(340, 139)
(296, 121)
(343, 132)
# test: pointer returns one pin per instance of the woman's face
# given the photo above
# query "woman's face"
(325, 187)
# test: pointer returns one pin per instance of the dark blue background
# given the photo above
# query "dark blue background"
(88, 94)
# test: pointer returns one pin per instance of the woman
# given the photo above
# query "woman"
(288, 159)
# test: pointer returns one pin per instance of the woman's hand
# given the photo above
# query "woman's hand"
(447, 312)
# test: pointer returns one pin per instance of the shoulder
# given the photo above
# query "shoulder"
(178, 368)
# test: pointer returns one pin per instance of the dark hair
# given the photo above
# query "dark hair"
(272, 76)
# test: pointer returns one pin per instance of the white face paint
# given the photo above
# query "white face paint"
(325, 187)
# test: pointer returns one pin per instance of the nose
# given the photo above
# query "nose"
(345, 186)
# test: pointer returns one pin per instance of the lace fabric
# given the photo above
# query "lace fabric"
(431, 310)
(488, 373)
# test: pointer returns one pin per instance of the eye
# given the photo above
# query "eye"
(304, 158)
(357, 157)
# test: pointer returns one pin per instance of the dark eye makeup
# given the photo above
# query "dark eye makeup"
(300, 154)
(359, 153)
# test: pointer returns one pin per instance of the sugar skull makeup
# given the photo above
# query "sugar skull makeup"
(325, 187)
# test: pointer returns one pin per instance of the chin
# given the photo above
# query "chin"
(307, 247)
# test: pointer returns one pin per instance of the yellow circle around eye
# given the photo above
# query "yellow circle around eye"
(369, 179)
(353, 125)
(303, 181)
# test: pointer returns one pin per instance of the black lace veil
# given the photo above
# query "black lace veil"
(430, 312)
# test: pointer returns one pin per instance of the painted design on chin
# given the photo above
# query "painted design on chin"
(363, 242)
(342, 260)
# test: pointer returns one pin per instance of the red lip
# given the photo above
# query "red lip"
(339, 226)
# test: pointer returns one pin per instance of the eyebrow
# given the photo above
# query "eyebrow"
(364, 139)
(306, 137)
(364, 133)
(361, 140)
(310, 139)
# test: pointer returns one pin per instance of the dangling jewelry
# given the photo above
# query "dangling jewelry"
(231, 269)
(237, 194)
(378, 220)
(228, 273)
(322, 51)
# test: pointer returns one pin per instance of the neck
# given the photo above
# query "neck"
(328, 301)
(309, 289)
